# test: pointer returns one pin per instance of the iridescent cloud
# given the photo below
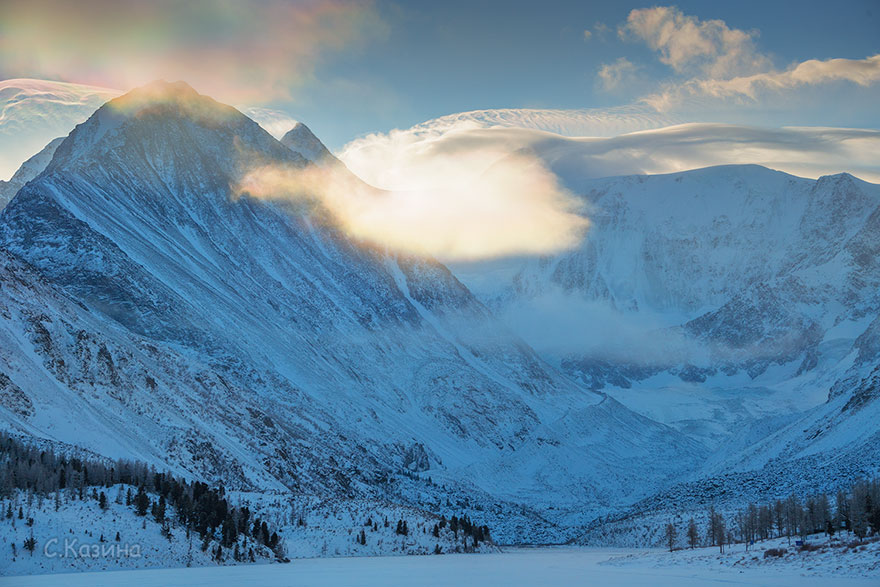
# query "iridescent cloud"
(237, 51)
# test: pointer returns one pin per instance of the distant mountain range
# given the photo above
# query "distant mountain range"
(149, 311)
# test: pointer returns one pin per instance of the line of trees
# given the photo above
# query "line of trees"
(197, 507)
(855, 509)
(466, 528)
(462, 528)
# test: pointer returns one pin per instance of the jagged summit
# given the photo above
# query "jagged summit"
(302, 140)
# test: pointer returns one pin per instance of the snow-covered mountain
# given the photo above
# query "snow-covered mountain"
(300, 139)
(736, 304)
(715, 327)
(149, 313)
(34, 111)
(751, 265)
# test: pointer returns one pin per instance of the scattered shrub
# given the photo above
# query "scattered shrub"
(774, 552)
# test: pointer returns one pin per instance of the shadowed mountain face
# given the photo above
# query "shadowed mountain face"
(158, 316)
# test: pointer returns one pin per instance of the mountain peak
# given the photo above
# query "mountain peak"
(158, 91)
(303, 141)
(169, 98)
(172, 122)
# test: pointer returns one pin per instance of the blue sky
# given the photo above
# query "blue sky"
(436, 58)
(351, 67)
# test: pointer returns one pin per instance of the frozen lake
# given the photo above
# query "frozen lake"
(520, 566)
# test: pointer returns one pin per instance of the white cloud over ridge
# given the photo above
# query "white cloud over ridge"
(275, 122)
(403, 159)
(455, 210)
(457, 178)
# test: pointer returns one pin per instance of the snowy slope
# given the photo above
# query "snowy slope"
(251, 343)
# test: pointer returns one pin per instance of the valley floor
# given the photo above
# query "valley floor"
(514, 566)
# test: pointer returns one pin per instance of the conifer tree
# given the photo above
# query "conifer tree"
(671, 534)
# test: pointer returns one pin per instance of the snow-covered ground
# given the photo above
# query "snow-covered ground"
(522, 566)
(67, 538)
(837, 557)
(79, 536)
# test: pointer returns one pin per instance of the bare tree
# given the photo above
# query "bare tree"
(693, 534)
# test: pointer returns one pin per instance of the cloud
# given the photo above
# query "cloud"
(687, 43)
(402, 158)
(802, 151)
(237, 51)
(593, 122)
(715, 63)
(864, 72)
(558, 324)
(466, 186)
(33, 112)
(613, 75)
(587, 34)
(478, 207)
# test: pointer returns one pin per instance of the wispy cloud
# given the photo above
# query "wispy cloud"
(864, 72)
(613, 75)
(686, 43)
(237, 51)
